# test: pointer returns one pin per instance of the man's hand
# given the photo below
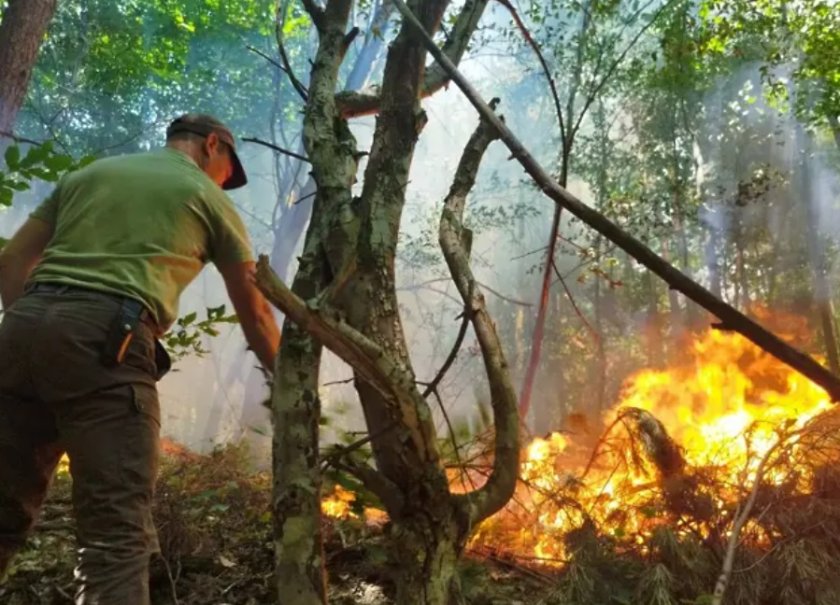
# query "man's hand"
(253, 310)
(19, 256)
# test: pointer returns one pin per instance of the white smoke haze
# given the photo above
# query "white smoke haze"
(218, 398)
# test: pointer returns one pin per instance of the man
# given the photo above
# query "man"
(88, 283)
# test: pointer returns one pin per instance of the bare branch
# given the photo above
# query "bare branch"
(355, 104)
(742, 515)
(278, 35)
(453, 236)
(276, 148)
(595, 335)
(450, 359)
(375, 481)
(19, 139)
(268, 58)
(533, 44)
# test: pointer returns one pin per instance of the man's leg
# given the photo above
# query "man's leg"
(28, 457)
(112, 440)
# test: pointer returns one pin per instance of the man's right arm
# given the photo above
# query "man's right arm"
(254, 311)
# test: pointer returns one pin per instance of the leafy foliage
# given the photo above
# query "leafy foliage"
(39, 162)
(187, 335)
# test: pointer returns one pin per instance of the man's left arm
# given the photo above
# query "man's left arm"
(19, 256)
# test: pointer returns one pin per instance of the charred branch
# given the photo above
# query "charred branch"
(729, 316)
(500, 485)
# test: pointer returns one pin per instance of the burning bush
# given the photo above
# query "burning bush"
(720, 471)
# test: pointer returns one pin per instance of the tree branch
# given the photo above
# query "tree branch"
(316, 13)
(276, 148)
(533, 44)
(498, 489)
(354, 104)
(742, 515)
(450, 359)
(18, 139)
(281, 49)
(373, 480)
(371, 363)
(731, 317)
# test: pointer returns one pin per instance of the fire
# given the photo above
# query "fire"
(708, 421)
(681, 448)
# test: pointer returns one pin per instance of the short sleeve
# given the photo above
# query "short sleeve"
(230, 242)
(47, 210)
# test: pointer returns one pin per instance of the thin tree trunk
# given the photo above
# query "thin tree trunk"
(731, 318)
(21, 32)
(539, 324)
(567, 136)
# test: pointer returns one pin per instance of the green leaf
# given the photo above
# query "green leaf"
(12, 156)
(59, 163)
(6, 196)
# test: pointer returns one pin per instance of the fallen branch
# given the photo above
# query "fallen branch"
(731, 317)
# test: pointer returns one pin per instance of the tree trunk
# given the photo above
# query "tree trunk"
(429, 524)
(21, 32)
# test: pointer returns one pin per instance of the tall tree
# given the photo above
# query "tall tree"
(22, 30)
(343, 296)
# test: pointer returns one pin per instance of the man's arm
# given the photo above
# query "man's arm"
(253, 310)
(19, 257)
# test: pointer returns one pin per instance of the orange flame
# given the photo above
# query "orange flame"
(681, 447)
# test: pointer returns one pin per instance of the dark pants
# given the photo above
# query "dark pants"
(57, 396)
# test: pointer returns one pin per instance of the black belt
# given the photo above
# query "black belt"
(58, 288)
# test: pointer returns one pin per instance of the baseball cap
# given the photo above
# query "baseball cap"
(203, 124)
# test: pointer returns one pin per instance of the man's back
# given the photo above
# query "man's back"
(141, 225)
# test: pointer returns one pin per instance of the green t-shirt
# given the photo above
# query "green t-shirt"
(140, 225)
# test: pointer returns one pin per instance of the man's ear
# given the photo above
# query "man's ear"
(211, 142)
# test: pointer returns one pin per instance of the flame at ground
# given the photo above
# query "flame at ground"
(681, 447)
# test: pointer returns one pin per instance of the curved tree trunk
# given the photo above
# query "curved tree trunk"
(21, 32)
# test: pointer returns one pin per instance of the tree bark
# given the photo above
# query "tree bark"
(21, 32)
(430, 525)
(731, 318)
(300, 576)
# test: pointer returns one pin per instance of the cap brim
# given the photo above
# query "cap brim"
(238, 178)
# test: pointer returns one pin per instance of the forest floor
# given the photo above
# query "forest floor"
(214, 525)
